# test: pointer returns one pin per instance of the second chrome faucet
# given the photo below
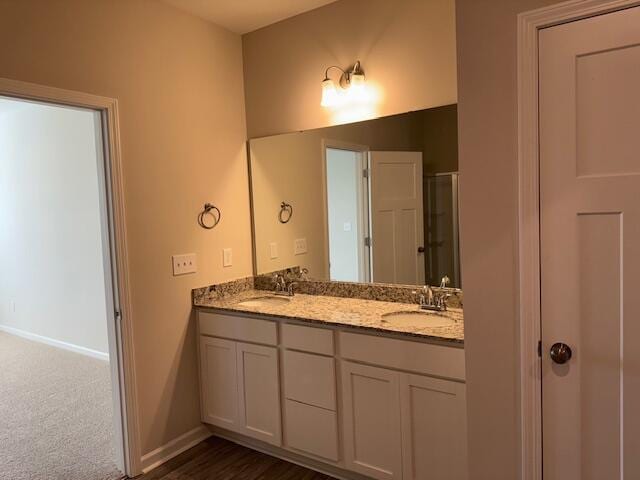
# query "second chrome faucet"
(428, 299)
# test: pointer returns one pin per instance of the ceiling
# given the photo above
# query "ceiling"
(243, 16)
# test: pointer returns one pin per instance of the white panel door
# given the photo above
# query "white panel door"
(434, 432)
(259, 392)
(397, 221)
(219, 382)
(590, 246)
(371, 415)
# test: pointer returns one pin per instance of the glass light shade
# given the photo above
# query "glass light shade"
(357, 80)
(329, 93)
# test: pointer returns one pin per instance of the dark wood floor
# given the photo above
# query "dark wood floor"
(218, 459)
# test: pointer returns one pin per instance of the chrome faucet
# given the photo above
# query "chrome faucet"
(426, 296)
(286, 284)
(280, 283)
(436, 301)
(290, 288)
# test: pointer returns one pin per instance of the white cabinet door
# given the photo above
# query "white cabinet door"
(433, 428)
(371, 409)
(259, 392)
(219, 382)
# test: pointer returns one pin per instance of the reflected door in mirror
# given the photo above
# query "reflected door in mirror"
(397, 231)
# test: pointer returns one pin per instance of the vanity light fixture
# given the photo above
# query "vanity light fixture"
(352, 79)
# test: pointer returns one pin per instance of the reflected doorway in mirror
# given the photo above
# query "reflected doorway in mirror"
(347, 212)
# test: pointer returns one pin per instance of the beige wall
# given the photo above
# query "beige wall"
(289, 168)
(179, 83)
(407, 49)
(489, 206)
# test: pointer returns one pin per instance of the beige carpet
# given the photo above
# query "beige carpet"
(55, 414)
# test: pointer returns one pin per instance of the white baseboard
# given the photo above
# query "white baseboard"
(55, 343)
(174, 448)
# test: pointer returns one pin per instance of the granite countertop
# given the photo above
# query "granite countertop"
(349, 312)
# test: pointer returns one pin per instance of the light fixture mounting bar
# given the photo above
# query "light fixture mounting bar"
(345, 75)
(350, 79)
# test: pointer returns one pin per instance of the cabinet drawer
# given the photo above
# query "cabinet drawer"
(428, 359)
(238, 328)
(312, 430)
(307, 339)
(310, 379)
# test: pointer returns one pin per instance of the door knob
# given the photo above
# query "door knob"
(420, 249)
(560, 353)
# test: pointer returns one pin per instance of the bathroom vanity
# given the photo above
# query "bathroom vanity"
(356, 388)
(348, 376)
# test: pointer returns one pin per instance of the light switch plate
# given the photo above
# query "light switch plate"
(300, 246)
(183, 264)
(227, 257)
(346, 226)
(273, 250)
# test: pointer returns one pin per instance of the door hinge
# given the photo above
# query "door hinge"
(367, 241)
(540, 348)
(365, 173)
(118, 315)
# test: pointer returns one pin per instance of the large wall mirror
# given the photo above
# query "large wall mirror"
(374, 201)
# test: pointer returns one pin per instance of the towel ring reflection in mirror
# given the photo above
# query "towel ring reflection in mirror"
(212, 211)
(286, 212)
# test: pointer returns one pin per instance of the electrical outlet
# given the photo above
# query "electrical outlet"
(300, 246)
(183, 264)
(12, 305)
(273, 250)
(227, 257)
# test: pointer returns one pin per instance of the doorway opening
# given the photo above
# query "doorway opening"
(348, 214)
(60, 386)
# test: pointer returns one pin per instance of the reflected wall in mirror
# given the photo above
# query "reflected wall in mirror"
(374, 201)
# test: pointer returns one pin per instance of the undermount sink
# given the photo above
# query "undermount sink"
(266, 301)
(417, 319)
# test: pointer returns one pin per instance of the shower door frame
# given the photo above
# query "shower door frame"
(455, 208)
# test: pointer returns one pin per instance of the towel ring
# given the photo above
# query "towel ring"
(209, 209)
(286, 212)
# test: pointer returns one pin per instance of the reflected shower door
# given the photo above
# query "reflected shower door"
(441, 221)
